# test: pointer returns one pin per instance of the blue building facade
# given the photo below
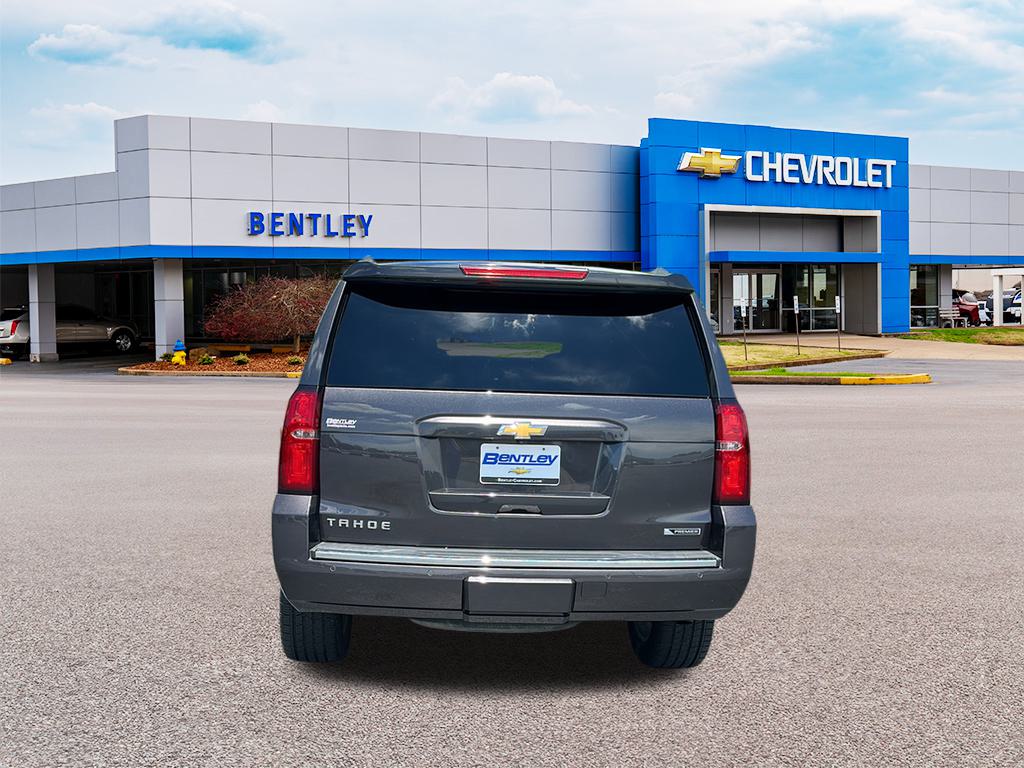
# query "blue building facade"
(673, 202)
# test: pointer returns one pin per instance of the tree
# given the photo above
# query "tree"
(271, 309)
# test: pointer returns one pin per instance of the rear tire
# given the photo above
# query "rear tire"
(671, 644)
(314, 637)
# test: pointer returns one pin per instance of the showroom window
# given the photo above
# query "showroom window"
(924, 296)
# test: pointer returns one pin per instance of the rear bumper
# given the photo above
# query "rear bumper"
(507, 586)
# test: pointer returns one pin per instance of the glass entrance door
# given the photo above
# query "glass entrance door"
(759, 291)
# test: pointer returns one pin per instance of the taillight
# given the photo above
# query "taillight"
(732, 455)
(300, 443)
(563, 273)
(14, 328)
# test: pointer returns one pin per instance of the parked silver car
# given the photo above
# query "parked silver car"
(75, 325)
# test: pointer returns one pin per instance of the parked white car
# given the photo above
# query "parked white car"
(75, 325)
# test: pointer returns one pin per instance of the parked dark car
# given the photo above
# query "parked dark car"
(513, 447)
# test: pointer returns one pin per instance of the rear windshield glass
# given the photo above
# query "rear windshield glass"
(431, 337)
(11, 314)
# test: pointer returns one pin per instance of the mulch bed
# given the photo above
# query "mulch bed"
(259, 362)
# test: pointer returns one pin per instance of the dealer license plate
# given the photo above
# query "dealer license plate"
(501, 463)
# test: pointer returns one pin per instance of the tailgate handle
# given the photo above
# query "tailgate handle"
(522, 509)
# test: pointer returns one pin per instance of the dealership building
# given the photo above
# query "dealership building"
(756, 217)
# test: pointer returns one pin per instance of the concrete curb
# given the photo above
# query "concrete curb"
(896, 378)
(865, 355)
(237, 374)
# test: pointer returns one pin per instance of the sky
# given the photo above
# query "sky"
(949, 75)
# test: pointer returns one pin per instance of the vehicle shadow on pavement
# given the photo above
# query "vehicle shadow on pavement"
(400, 653)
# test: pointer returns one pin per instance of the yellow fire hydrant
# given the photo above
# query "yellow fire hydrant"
(179, 354)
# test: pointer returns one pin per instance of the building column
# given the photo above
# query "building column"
(42, 313)
(168, 304)
(997, 299)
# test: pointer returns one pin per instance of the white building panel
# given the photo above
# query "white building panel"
(527, 230)
(133, 221)
(624, 159)
(55, 192)
(56, 228)
(387, 182)
(16, 197)
(920, 204)
(990, 208)
(821, 233)
(18, 231)
(950, 206)
(464, 185)
(133, 174)
(226, 222)
(97, 225)
(950, 178)
(170, 221)
(96, 187)
(230, 136)
(310, 178)
(985, 180)
(309, 140)
(581, 230)
(170, 174)
(1016, 238)
(447, 227)
(369, 144)
(990, 240)
(580, 191)
(786, 233)
(393, 226)
(951, 239)
(167, 132)
(1017, 181)
(577, 156)
(228, 176)
(625, 231)
(1015, 208)
(920, 176)
(519, 153)
(519, 188)
(449, 148)
(624, 192)
(920, 237)
(131, 133)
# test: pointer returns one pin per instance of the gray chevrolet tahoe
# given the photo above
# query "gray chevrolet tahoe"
(513, 447)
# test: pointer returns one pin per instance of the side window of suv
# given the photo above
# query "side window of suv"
(74, 313)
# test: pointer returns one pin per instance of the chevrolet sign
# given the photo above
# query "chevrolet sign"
(792, 168)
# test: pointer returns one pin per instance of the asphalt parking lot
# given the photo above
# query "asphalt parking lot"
(883, 625)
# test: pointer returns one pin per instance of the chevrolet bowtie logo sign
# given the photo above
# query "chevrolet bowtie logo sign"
(709, 162)
(521, 430)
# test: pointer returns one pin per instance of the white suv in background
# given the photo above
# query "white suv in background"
(75, 325)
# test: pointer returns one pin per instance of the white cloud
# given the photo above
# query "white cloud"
(213, 25)
(508, 98)
(56, 124)
(263, 111)
(78, 44)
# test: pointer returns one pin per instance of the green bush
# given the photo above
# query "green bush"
(294, 360)
(167, 357)
(241, 359)
(206, 360)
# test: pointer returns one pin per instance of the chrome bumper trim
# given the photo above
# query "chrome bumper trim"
(443, 557)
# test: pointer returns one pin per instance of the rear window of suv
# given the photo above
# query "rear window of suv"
(579, 342)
